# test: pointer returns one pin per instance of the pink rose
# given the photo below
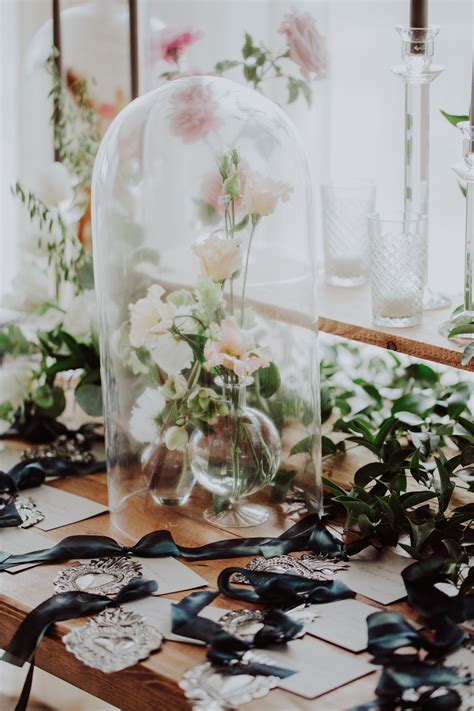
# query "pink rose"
(193, 114)
(220, 258)
(170, 43)
(235, 350)
(306, 44)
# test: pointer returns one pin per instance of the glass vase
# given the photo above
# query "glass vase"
(168, 475)
(238, 456)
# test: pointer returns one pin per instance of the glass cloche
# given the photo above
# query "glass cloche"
(205, 267)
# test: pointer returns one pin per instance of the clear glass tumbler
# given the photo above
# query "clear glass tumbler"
(345, 208)
(398, 244)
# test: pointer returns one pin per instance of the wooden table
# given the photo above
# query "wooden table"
(153, 683)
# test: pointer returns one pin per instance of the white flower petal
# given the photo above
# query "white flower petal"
(170, 354)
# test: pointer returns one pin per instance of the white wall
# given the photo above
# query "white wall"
(354, 129)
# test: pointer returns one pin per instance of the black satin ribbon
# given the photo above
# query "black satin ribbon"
(389, 639)
(308, 534)
(33, 473)
(38, 429)
(282, 590)
(440, 611)
(64, 606)
(225, 650)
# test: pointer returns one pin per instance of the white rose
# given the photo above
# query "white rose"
(15, 384)
(30, 288)
(54, 186)
(150, 316)
(220, 258)
(143, 421)
(262, 194)
(81, 317)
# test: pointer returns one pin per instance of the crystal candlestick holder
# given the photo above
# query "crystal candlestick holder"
(345, 207)
(397, 268)
(457, 327)
(417, 72)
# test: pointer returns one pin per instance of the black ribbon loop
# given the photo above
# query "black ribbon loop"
(307, 534)
(224, 649)
(282, 590)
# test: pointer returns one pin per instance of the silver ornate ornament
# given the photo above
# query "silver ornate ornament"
(29, 512)
(113, 640)
(210, 689)
(308, 566)
(70, 449)
(104, 576)
(246, 623)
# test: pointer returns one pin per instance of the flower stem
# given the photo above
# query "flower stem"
(254, 225)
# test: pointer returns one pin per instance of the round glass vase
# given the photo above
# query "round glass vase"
(169, 477)
(238, 456)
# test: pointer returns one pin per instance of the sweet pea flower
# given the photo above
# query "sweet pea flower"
(193, 114)
(150, 316)
(170, 43)
(176, 438)
(235, 350)
(220, 258)
(306, 44)
(144, 419)
(261, 194)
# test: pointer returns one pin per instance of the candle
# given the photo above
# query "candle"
(419, 13)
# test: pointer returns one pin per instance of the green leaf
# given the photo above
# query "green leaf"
(304, 446)
(422, 373)
(43, 397)
(56, 406)
(282, 483)
(418, 497)
(420, 534)
(293, 90)
(269, 380)
(369, 472)
(248, 49)
(89, 398)
(415, 403)
(226, 64)
(13, 341)
(326, 403)
(468, 354)
(85, 275)
(333, 487)
(454, 120)
(250, 72)
(461, 329)
(241, 225)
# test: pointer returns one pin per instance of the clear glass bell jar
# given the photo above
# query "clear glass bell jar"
(205, 268)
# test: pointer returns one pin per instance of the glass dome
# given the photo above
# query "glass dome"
(205, 268)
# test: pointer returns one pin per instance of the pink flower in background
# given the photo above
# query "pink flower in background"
(236, 350)
(194, 113)
(306, 44)
(170, 43)
(211, 190)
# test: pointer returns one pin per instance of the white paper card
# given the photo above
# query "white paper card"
(157, 610)
(377, 576)
(18, 540)
(60, 508)
(320, 668)
(170, 574)
(343, 622)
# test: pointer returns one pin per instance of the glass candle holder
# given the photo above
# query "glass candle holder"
(398, 243)
(346, 241)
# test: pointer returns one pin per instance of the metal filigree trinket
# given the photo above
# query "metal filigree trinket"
(29, 512)
(246, 623)
(209, 689)
(114, 640)
(308, 566)
(71, 450)
(104, 576)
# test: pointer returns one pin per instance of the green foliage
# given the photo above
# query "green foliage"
(14, 342)
(454, 120)
(269, 380)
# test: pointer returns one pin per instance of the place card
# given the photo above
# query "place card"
(319, 669)
(16, 541)
(343, 622)
(171, 575)
(376, 575)
(60, 508)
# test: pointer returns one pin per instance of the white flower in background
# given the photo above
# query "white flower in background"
(15, 385)
(30, 288)
(262, 194)
(306, 44)
(171, 354)
(150, 316)
(236, 350)
(144, 419)
(209, 295)
(81, 316)
(183, 297)
(55, 187)
(176, 438)
(220, 258)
